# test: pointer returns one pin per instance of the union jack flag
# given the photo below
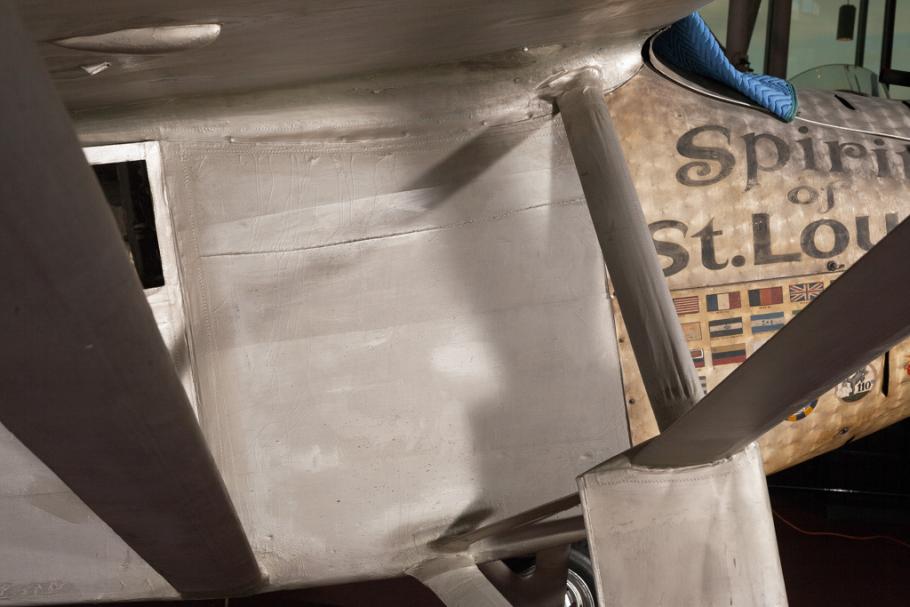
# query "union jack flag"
(805, 292)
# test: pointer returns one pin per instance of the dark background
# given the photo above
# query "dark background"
(861, 489)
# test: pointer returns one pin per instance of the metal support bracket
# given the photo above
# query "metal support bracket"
(625, 240)
(701, 535)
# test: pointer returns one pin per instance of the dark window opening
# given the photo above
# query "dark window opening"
(126, 188)
(845, 103)
(886, 373)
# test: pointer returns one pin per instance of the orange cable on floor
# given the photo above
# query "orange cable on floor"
(859, 538)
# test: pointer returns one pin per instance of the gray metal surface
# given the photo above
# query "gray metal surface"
(271, 43)
(390, 310)
(88, 385)
(465, 540)
(464, 586)
(824, 343)
(389, 335)
(870, 114)
(635, 273)
(530, 539)
(680, 537)
(394, 339)
(386, 368)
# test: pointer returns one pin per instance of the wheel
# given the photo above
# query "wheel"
(580, 586)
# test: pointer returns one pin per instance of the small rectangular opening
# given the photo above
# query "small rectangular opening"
(126, 188)
(886, 373)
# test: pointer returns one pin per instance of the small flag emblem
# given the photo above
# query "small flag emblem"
(763, 323)
(805, 292)
(728, 355)
(726, 326)
(766, 297)
(717, 302)
(698, 357)
(692, 331)
(686, 305)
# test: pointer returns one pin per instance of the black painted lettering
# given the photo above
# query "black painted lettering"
(708, 256)
(863, 238)
(881, 159)
(677, 254)
(782, 155)
(761, 238)
(808, 147)
(862, 233)
(810, 247)
(802, 194)
(699, 173)
(829, 193)
(837, 151)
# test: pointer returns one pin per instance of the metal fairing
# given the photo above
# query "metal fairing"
(388, 338)
(394, 338)
(390, 335)
(281, 43)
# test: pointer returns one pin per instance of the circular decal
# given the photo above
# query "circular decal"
(857, 385)
(805, 411)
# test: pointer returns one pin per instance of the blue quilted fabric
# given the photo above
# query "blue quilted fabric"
(690, 45)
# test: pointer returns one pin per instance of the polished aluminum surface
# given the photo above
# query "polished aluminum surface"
(278, 43)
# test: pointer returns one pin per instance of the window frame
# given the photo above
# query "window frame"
(887, 74)
(165, 301)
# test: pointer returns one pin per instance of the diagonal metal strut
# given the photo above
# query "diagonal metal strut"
(87, 383)
(814, 351)
(655, 333)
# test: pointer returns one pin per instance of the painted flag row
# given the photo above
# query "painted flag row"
(720, 355)
(733, 300)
